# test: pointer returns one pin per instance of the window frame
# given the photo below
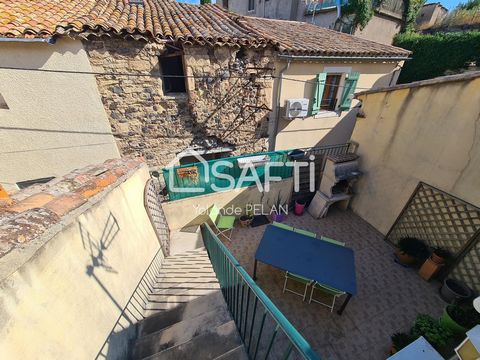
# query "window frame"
(335, 96)
(165, 80)
(250, 5)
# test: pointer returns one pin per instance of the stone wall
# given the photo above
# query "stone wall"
(219, 108)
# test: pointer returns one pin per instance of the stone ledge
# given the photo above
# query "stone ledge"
(36, 211)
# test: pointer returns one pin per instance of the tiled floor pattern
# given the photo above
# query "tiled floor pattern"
(388, 300)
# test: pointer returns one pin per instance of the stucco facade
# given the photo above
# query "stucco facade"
(426, 131)
(385, 23)
(327, 127)
(55, 122)
(62, 292)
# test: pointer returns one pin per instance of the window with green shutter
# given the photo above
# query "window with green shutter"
(330, 94)
(351, 80)
(318, 92)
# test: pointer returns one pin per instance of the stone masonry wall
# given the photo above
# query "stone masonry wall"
(226, 104)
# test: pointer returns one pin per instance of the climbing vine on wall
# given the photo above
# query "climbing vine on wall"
(361, 12)
(411, 11)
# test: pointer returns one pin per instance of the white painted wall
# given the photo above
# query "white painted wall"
(55, 122)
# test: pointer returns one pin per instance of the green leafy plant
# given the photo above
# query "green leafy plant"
(412, 7)
(435, 333)
(414, 247)
(456, 50)
(465, 316)
(401, 340)
(361, 12)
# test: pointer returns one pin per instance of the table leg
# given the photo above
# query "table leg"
(344, 305)
(255, 270)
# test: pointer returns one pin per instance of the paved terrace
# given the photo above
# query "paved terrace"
(388, 300)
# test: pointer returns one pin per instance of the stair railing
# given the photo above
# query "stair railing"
(259, 322)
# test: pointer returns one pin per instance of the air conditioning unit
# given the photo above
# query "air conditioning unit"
(296, 108)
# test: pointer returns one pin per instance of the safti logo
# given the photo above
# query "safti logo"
(249, 174)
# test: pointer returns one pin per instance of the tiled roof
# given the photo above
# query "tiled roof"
(298, 38)
(158, 19)
(169, 20)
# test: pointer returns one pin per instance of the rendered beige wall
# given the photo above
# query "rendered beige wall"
(50, 307)
(55, 122)
(319, 130)
(381, 29)
(188, 212)
(428, 134)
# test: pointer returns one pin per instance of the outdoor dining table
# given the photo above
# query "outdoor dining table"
(312, 258)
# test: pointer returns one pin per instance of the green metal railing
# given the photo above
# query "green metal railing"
(316, 7)
(205, 179)
(265, 331)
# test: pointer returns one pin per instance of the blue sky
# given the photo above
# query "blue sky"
(449, 4)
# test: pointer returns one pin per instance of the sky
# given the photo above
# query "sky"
(449, 4)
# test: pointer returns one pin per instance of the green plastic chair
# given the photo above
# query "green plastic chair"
(332, 241)
(282, 226)
(298, 279)
(223, 224)
(334, 293)
(305, 232)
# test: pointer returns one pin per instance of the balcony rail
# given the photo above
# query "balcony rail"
(202, 175)
(265, 331)
(318, 6)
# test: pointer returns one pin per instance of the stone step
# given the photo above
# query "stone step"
(186, 290)
(239, 353)
(209, 345)
(180, 332)
(183, 312)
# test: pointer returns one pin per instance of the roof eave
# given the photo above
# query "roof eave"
(343, 57)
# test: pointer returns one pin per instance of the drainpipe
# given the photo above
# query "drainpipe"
(273, 139)
(49, 40)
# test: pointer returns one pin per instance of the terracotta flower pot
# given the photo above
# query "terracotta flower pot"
(429, 269)
(404, 258)
(437, 259)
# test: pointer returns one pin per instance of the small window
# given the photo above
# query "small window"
(172, 65)
(329, 98)
(3, 103)
(251, 5)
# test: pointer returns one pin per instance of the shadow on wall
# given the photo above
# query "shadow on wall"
(97, 249)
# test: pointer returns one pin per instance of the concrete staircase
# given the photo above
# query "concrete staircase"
(186, 316)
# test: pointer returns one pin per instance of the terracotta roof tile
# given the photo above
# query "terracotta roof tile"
(293, 37)
(168, 20)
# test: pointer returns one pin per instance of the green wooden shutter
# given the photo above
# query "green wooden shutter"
(350, 85)
(318, 92)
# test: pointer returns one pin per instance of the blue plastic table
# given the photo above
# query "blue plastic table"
(315, 259)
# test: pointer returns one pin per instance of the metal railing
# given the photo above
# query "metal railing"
(265, 331)
(318, 6)
(202, 175)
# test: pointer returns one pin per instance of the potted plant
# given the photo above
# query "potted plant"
(439, 255)
(454, 291)
(299, 207)
(434, 263)
(247, 217)
(411, 250)
(460, 319)
(277, 212)
(434, 332)
(400, 340)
